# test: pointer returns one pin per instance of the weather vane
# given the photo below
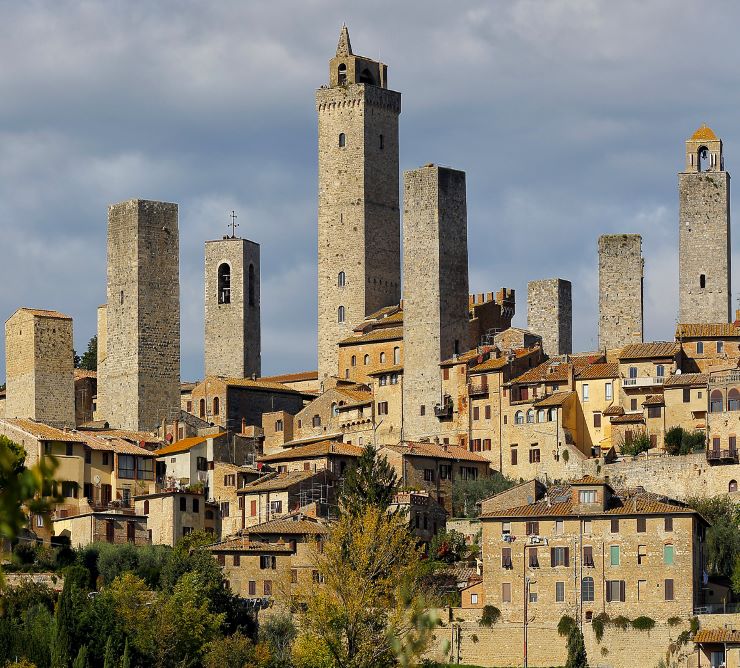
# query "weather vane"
(233, 224)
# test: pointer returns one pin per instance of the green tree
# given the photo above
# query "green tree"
(126, 658)
(109, 660)
(723, 536)
(448, 546)
(466, 494)
(678, 441)
(235, 651)
(64, 624)
(370, 482)
(576, 650)
(81, 660)
(278, 633)
(639, 443)
(89, 358)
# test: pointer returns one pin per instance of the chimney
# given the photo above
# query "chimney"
(571, 377)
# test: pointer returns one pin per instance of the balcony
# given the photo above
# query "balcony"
(643, 381)
(478, 389)
(444, 410)
(728, 456)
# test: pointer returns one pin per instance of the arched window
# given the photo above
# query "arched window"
(541, 415)
(251, 286)
(215, 405)
(224, 284)
(342, 140)
(340, 314)
(367, 359)
(382, 358)
(396, 355)
(316, 421)
(341, 279)
(702, 281)
(530, 415)
(342, 74)
(660, 371)
(202, 408)
(519, 417)
(732, 487)
(587, 589)
(703, 161)
(733, 400)
(354, 360)
(715, 402)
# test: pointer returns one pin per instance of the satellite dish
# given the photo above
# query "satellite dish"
(96, 480)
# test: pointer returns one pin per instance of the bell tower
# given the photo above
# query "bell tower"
(359, 236)
(705, 294)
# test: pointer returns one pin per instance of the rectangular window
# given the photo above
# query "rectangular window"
(196, 505)
(144, 468)
(476, 413)
(668, 524)
(201, 463)
(505, 528)
(700, 347)
(608, 391)
(614, 555)
(641, 590)
(488, 412)
(506, 592)
(422, 410)
(597, 420)
(486, 444)
(641, 555)
(445, 471)
(587, 527)
(222, 560)
(641, 525)
(70, 450)
(237, 560)
(559, 592)
(587, 496)
(513, 456)
(253, 508)
(88, 456)
(686, 394)
(559, 556)
(653, 411)
(473, 599)
(446, 373)
(585, 391)
(506, 557)
(276, 507)
(615, 591)
(252, 589)
(668, 590)
(534, 456)
(189, 407)
(105, 459)
(534, 561)
(559, 526)
(615, 525)
(225, 508)
(428, 475)
(268, 588)
(293, 576)
(382, 408)
(183, 502)
(126, 466)
(109, 531)
(587, 589)
(668, 555)
(588, 556)
(131, 532)
(533, 528)
(267, 562)
(633, 404)
(720, 346)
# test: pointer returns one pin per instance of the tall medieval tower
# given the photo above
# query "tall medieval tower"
(550, 314)
(139, 378)
(232, 320)
(704, 232)
(359, 220)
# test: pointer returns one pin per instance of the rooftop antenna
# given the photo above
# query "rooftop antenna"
(233, 224)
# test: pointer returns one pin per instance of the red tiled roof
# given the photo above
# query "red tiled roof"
(648, 350)
(596, 371)
(44, 313)
(653, 400)
(686, 380)
(718, 330)
(275, 482)
(717, 636)
(288, 525)
(555, 399)
(321, 449)
(243, 544)
(292, 377)
(588, 480)
(451, 452)
(614, 409)
(45, 432)
(186, 444)
(628, 418)
(375, 335)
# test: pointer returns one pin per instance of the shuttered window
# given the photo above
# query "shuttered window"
(506, 557)
(588, 556)
(615, 591)
(559, 556)
(669, 590)
(506, 592)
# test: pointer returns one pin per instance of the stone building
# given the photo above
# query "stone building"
(102, 527)
(550, 314)
(704, 276)
(139, 378)
(40, 367)
(359, 224)
(172, 514)
(620, 290)
(585, 548)
(232, 320)
(435, 264)
(708, 346)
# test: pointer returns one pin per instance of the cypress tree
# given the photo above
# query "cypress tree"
(126, 658)
(61, 647)
(81, 660)
(372, 481)
(576, 650)
(109, 661)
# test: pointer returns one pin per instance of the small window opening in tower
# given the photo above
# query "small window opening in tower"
(702, 281)
(382, 142)
(457, 346)
(704, 159)
(224, 284)
(121, 296)
(340, 314)
(251, 285)
(342, 74)
(341, 279)
(342, 140)
(366, 77)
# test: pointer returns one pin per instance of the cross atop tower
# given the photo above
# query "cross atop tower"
(233, 224)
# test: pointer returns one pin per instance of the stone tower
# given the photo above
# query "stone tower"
(139, 379)
(550, 314)
(232, 321)
(704, 291)
(40, 367)
(359, 224)
(435, 295)
(620, 290)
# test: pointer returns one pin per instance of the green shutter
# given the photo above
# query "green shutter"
(614, 555)
(668, 555)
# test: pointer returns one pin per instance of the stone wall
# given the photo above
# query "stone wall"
(359, 222)
(620, 290)
(232, 324)
(550, 314)
(435, 264)
(139, 380)
(40, 367)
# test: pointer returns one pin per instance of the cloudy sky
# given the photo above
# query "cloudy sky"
(569, 117)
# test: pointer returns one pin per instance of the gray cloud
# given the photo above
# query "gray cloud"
(568, 116)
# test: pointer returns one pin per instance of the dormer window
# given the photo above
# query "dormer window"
(587, 496)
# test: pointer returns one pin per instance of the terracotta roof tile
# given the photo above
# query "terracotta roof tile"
(555, 399)
(596, 371)
(380, 334)
(127, 435)
(259, 384)
(717, 636)
(496, 363)
(614, 409)
(45, 313)
(462, 358)
(396, 368)
(653, 400)
(321, 449)
(686, 380)
(288, 525)
(45, 432)
(451, 452)
(720, 330)
(648, 350)
(704, 132)
(629, 418)
(357, 395)
(588, 480)
(186, 444)
(292, 377)
(243, 544)
(550, 372)
(277, 481)
(117, 445)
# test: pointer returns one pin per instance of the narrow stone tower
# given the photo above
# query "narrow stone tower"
(704, 289)
(620, 290)
(139, 379)
(550, 314)
(359, 223)
(232, 321)
(435, 299)
(39, 367)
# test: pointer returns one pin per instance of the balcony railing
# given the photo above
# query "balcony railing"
(478, 389)
(727, 455)
(643, 381)
(444, 410)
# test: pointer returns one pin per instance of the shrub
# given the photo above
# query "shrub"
(490, 616)
(576, 650)
(640, 443)
(694, 625)
(566, 625)
(448, 546)
(678, 441)
(643, 623)
(24, 553)
(683, 638)
(674, 621)
(566, 456)
(598, 623)
(621, 622)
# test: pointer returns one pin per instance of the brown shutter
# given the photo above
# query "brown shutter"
(669, 590)
(608, 591)
(622, 591)
(552, 556)
(567, 557)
